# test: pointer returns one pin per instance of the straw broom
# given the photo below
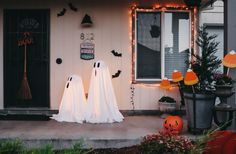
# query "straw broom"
(24, 91)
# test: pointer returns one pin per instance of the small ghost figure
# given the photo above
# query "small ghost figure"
(101, 104)
(73, 103)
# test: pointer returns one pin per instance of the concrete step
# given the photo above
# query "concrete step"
(63, 135)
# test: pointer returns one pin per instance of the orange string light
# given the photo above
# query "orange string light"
(161, 8)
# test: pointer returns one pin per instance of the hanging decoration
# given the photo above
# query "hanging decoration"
(116, 53)
(86, 22)
(24, 92)
(72, 7)
(87, 47)
(155, 29)
(117, 74)
(61, 13)
(58, 61)
(132, 96)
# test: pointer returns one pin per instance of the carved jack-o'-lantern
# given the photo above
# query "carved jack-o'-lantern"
(173, 124)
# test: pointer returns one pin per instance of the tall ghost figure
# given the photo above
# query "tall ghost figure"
(73, 103)
(101, 104)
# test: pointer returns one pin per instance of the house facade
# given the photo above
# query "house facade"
(140, 41)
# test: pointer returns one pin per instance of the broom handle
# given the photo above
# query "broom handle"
(25, 60)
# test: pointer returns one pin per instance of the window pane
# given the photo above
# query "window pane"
(148, 45)
(177, 41)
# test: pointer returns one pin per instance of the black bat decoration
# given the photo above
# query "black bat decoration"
(116, 53)
(72, 7)
(62, 13)
(117, 74)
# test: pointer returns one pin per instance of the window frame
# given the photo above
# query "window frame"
(162, 20)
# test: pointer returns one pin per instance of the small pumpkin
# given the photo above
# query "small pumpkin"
(173, 124)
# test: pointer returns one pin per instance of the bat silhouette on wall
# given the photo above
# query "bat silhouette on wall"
(62, 13)
(116, 53)
(72, 7)
(117, 74)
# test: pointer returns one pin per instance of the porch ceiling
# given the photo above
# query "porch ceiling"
(203, 3)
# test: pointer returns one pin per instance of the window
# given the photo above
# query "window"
(162, 44)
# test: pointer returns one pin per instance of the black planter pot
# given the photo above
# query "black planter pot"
(223, 92)
(199, 110)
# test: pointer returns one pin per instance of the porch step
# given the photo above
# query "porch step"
(45, 113)
(63, 135)
(59, 144)
(26, 114)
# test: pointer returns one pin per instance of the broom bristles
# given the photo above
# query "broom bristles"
(24, 91)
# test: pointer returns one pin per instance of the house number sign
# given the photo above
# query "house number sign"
(87, 50)
(87, 46)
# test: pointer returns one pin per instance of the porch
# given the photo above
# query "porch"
(97, 136)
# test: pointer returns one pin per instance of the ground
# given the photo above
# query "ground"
(98, 136)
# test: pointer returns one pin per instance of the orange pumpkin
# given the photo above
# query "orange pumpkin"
(173, 124)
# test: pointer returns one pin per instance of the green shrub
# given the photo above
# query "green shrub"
(47, 149)
(16, 147)
(77, 149)
(11, 147)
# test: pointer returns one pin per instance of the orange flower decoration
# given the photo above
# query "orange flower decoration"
(177, 76)
(165, 83)
(190, 78)
(230, 59)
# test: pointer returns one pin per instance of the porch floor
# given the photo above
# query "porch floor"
(98, 136)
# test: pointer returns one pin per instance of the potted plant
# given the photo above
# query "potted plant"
(167, 103)
(223, 84)
(200, 98)
(223, 87)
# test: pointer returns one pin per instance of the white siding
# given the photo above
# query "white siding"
(111, 31)
(213, 14)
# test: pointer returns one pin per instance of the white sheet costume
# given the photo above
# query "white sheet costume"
(73, 103)
(101, 104)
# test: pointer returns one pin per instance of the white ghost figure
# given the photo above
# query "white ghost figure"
(73, 103)
(101, 104)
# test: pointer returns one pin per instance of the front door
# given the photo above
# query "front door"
(26, 58)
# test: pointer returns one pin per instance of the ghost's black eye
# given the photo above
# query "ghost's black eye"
(94, 65)
(67, 85)
(98, 65)
(70, 78)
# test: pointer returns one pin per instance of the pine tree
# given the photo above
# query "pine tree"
(206, 63)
